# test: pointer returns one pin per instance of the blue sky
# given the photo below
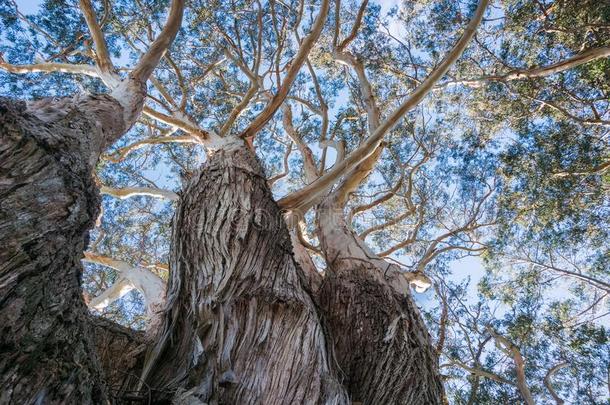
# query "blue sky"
(467, 266)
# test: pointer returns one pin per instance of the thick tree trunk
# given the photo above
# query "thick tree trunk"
(48, 202)
(240, 327)
(381, 342)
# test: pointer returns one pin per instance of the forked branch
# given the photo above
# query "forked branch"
(313, 190)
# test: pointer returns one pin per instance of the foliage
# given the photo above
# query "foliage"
(514, 170)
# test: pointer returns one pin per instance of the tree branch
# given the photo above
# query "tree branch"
(513, 351)
(122, 153)
(151, 58)
(518, 74)
(49, 68)
(549, 384)
(149, 284)
(102, 57)
(313, 190)
(124, 193)
(276, 101)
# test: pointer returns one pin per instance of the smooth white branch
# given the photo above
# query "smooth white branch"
(148, 283)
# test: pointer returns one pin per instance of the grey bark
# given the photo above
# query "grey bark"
(48, 202)
(381, 342)
(240, 325)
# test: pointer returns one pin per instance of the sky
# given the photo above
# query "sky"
(467, 266)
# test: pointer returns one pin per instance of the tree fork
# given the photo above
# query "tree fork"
(240, 327)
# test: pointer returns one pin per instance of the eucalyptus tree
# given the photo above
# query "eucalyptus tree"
(49, 149)
(375, 138)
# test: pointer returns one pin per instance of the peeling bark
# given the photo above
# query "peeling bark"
(240, 327)
(381, 342)
(48, 202)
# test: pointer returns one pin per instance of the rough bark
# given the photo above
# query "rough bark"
(381, 342)
(121, 354)
(240, 327)
(48, 202)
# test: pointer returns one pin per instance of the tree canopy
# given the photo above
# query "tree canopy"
(494, 187)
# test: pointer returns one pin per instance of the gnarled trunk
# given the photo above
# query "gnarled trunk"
(240, 327)
(48, 202)
(381, 343)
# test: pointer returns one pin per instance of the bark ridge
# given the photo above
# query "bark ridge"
(240, 326)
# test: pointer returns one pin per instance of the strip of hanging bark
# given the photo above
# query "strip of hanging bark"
(240, 326)
(381, 342)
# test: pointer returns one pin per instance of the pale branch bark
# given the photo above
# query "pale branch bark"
(164, 92)
(368, 98)
(184, 87)
(303, 258)
(312, 191)
(49, 67)
(123, 152)
(337, 145)
(130, 93)
(295, 66)
(412, 236)
(384, 198)
(357, 176)
(597, 283)
(548, 382)
(585, 121)
(286, 170)
(102, 57)
(385, 224)
(155, 52)
(179, 121)
(513, 351)
(518, 74)
(479, 371)
(127, 192)
(113, 293)
(598, 169)
(148, 283)
(355, 27)
(433, 250)
(360, 174)
(363, 169)
(239, 108)
(309, 165)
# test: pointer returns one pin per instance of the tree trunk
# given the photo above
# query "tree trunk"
(240, 327)
(381, 343)
(48, 202)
